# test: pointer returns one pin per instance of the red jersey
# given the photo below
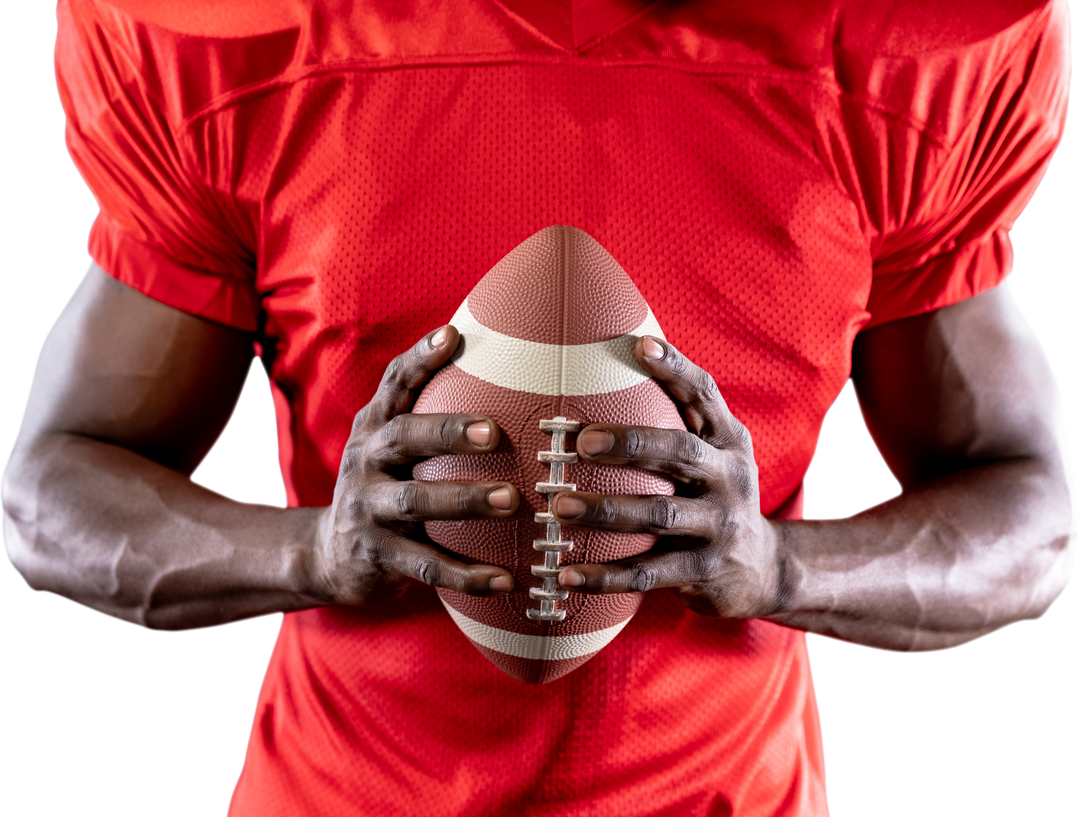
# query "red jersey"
(335, 177)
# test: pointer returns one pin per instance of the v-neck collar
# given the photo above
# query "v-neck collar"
(575, 23)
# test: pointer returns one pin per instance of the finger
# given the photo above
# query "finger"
(406, 376)
(675, 568)
(434, 567)
(408, 437)
(660, 515)
(706, 412)
(672, 452)
(417, 501)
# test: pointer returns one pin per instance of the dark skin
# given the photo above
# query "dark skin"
(130, 395)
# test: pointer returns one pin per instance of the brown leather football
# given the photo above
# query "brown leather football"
(547, 340)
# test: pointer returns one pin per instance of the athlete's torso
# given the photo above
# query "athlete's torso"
(768, 175)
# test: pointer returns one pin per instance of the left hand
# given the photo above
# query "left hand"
(714, 545)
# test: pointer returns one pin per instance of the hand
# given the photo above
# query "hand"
(714, 545)
(371, 541)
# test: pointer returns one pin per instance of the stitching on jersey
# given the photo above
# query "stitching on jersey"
(525, 21)
(823, 80)
(290, 78)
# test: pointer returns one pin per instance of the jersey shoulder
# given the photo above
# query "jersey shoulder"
(190, 53)
(929, 61)
(937, 63)
(234, 19)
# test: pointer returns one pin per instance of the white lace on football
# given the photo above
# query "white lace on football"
(552, 544)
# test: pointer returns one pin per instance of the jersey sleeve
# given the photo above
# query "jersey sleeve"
(955, 242)
(161, 228)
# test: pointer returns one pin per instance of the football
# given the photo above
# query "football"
(547, 339)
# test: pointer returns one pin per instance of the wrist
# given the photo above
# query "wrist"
(784, 577)
(302, 562)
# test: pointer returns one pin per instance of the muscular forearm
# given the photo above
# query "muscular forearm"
(124, 535)
(939, 565)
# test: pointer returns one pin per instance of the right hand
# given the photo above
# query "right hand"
(371, 541)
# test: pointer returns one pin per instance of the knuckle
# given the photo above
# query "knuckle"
(679, 364)
(642, 578)
(741, 436)
(369, 557)
(634, 444)
(697, 565)
(606, 512)
(725, 527)
(360, 419)
(406, 501)
(417, 370)
(446, 432)
(434, 571)
(352, 458)
(707, 389)
(427, 571)
(464, 501)
(419, 352)
(395, 371)
(391, 436)
(690, 449)
(744, 480)
(661, 514)
(733, 436)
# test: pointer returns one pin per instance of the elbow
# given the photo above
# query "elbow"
(43, 542)
(1051, 563)
(1042, 546)
(1060, 555)
(18, 522)
(29, 560)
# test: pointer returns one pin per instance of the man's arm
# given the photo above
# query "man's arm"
(962, 405)
(128, 397)
(960, 402)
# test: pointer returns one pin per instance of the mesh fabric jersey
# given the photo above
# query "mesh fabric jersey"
(335, 178)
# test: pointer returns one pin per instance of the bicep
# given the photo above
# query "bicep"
(124, 369)
(960, 386)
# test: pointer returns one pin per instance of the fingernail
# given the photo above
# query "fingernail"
(596, 442)
(500, 584)
(438, 339)
(570, 507)
(499, 499)
(478, 433)
(571, 578)
(652, 349)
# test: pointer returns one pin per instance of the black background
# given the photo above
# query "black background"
(104, 717)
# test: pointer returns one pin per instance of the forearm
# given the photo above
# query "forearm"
(126, 536)
(941, 564)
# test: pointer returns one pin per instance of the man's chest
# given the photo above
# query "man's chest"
(384, 196)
